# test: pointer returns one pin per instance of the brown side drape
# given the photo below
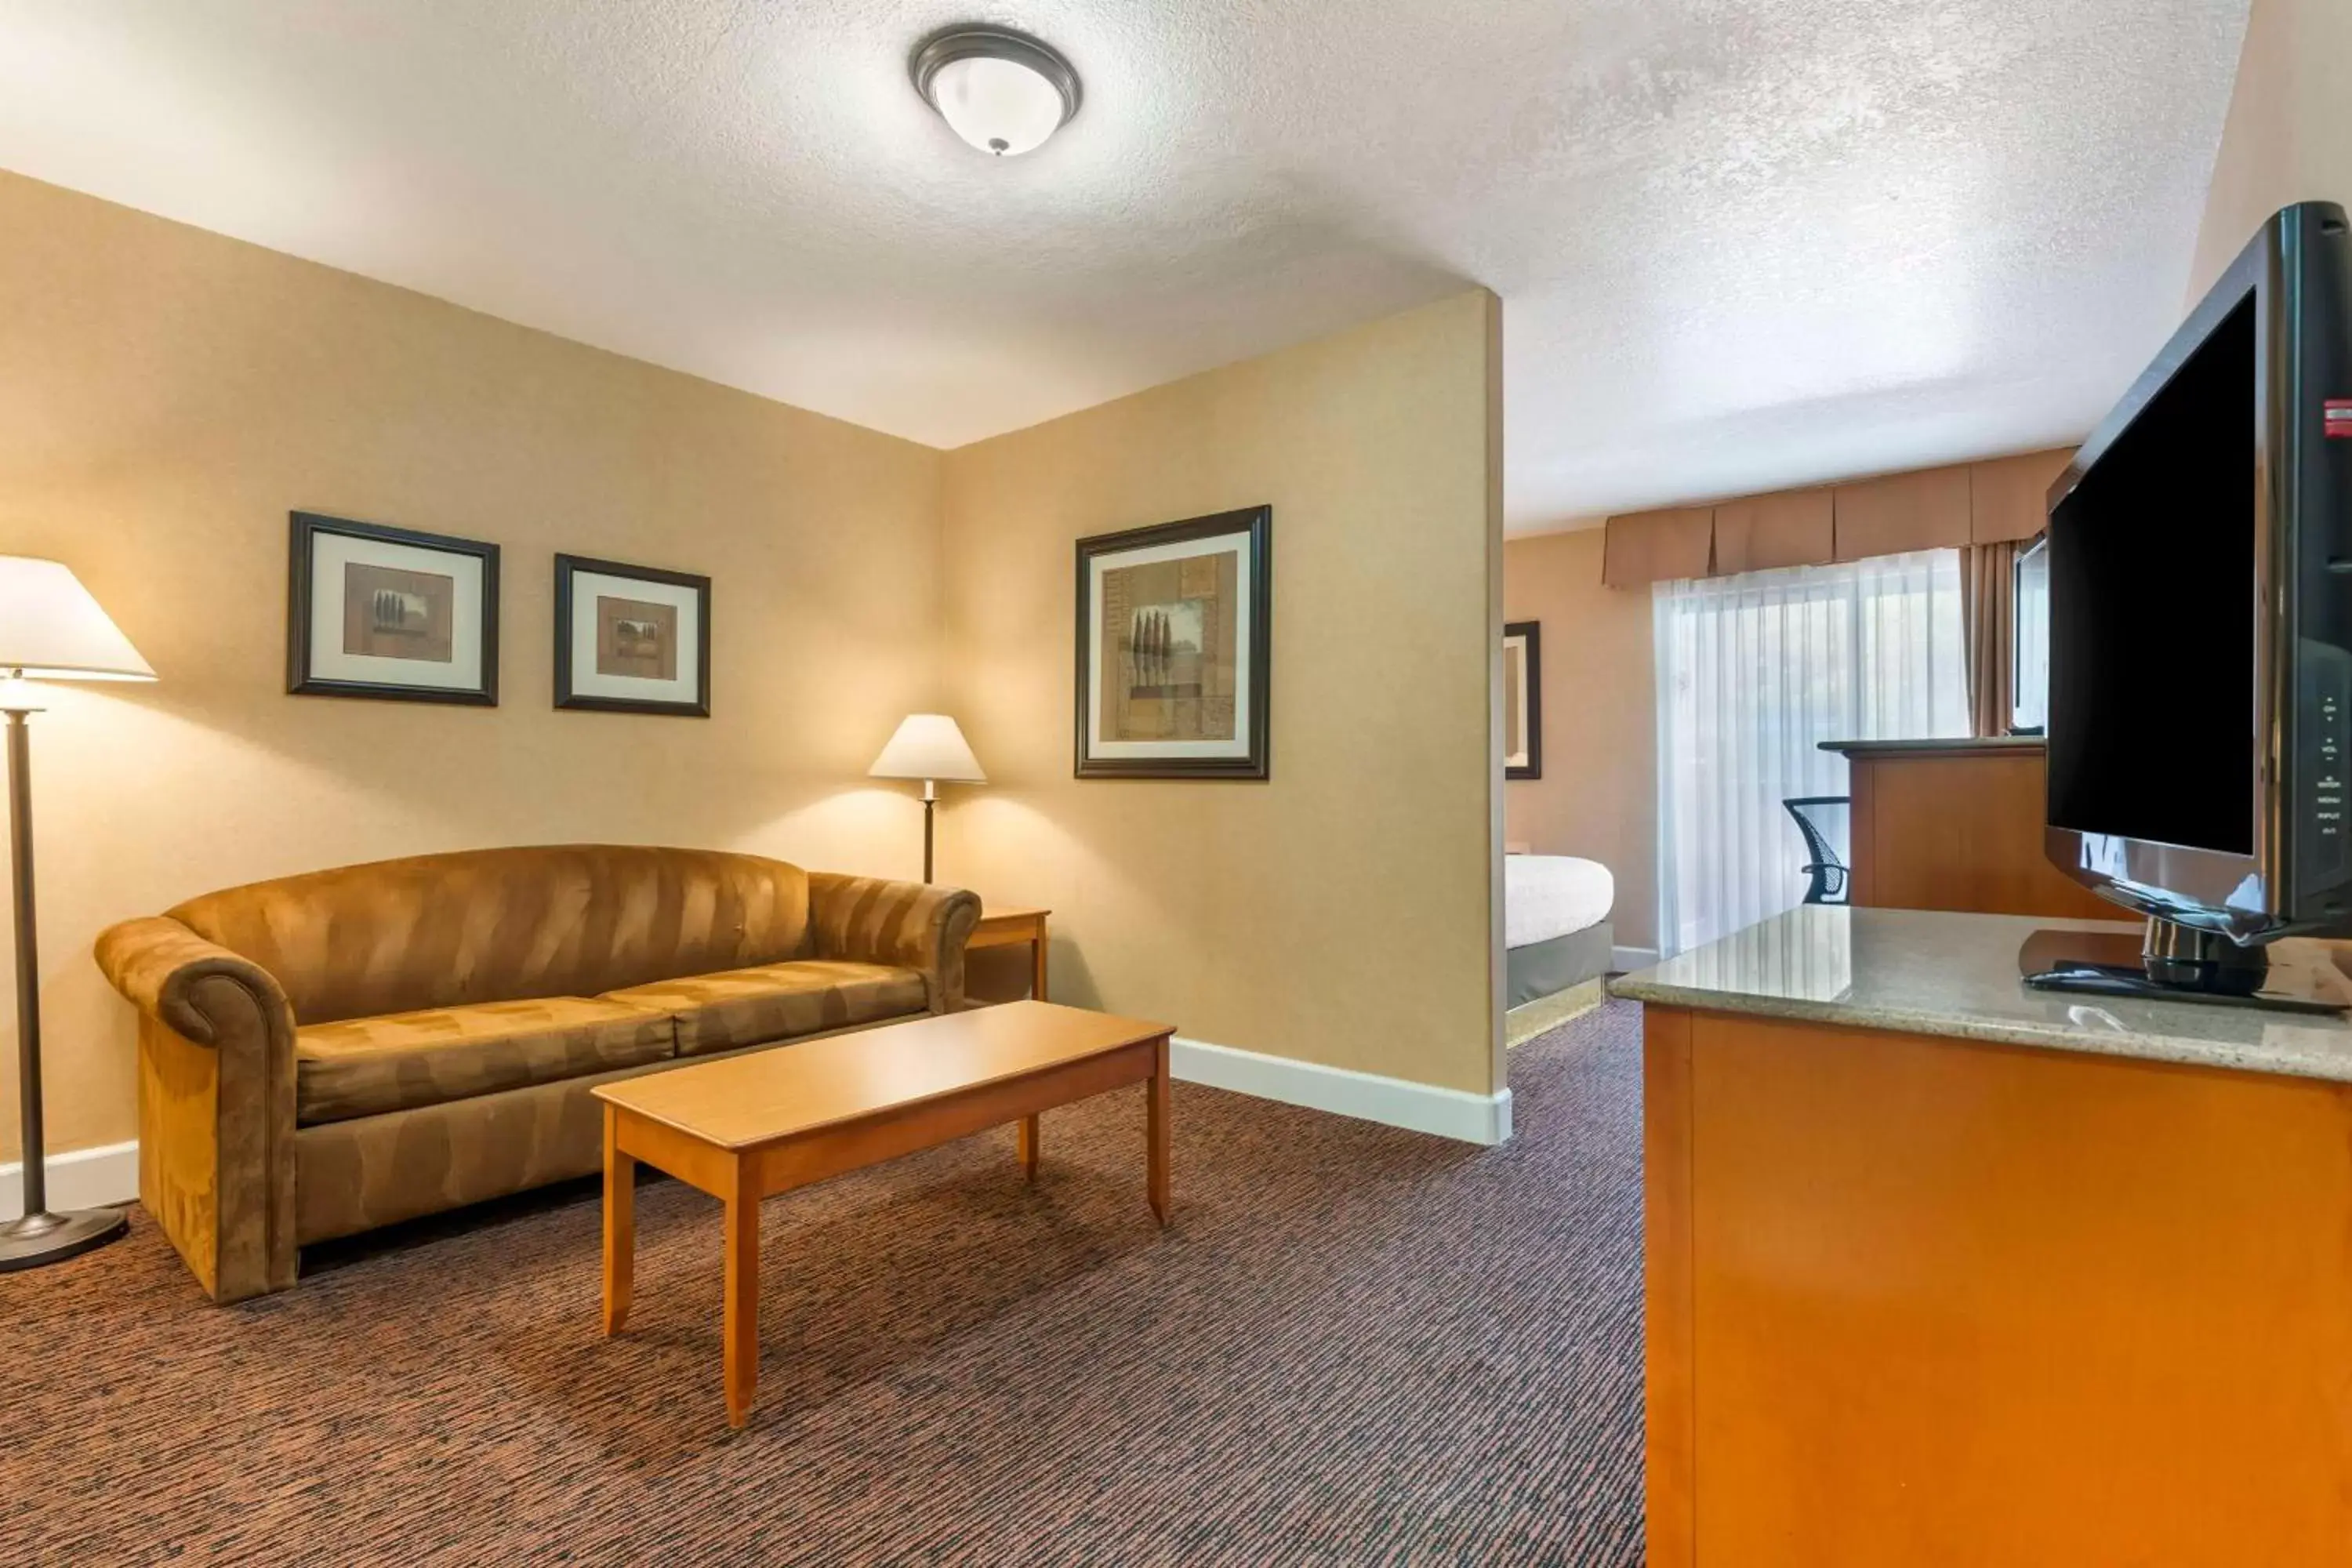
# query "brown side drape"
(1989, 632)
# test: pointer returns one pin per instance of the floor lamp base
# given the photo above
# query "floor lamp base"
(45, 1238)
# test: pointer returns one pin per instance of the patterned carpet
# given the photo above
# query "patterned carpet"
(1357, 1345)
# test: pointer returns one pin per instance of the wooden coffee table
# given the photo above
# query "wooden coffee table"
(749, 1127)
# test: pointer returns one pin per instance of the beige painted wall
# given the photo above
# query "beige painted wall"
(167, 396)
(1598, 798)
(2287, 138)
(1342, 912)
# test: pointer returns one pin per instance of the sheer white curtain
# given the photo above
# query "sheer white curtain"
(1754, 671)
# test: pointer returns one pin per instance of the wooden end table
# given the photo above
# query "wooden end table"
(746, 1128)
(1011, 927)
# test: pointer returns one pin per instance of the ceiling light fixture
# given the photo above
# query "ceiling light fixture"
(1003, 91)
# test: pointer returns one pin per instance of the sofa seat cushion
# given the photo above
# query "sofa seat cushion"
(365, 1066)
(779, 1001)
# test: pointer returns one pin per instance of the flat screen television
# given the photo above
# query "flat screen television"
(2199, 564)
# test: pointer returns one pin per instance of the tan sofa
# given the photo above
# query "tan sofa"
(329, 1053)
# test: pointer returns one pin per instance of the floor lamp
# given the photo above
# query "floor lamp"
(928, 746)
(50, 630)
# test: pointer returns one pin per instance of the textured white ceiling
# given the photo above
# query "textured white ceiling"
(1741, 243)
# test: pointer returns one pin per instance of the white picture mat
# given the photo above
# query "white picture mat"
(330, 553)
(1245, 649)
(587, 587)
(1515, 658)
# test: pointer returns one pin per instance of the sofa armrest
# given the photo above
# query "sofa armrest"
(867, 920)
(159, 966)
(215, 1103)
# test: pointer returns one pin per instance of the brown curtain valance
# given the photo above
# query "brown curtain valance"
(1933, 508)
(1902, 512)
(1795, 528)
(1658, 547)
(2008, 499)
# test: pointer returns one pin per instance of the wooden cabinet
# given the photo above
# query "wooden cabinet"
(1920, 1301)
(1957, 825)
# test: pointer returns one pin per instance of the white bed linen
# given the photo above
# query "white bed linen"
(1549, 895)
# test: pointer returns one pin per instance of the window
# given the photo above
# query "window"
(2030, 660)
(1754, 672)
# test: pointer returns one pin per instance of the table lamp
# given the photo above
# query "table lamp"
(928, 746)
(50, 630)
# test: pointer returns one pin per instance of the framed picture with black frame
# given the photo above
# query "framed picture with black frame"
(1523, 699)
(389, 613)
(631, 639)
(1174, 649)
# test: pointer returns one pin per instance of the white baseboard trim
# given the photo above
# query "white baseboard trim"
(1419, 1106)
(1625, 960)
(93, 1178)
(84, 1179)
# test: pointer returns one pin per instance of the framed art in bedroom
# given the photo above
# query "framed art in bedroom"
(1174, 649)
(391, 613)
(1523, 699)
(631, 639)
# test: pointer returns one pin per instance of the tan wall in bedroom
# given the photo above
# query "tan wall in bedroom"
(1342, 912)
(2285, 139)
(169, 394)
(1598, 798)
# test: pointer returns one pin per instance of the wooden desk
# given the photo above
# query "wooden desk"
(749, 1127)
(1957, 825)
(1011, 927)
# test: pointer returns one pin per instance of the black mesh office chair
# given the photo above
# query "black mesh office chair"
(1823, 819)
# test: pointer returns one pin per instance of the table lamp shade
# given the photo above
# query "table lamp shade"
(51, 628)
(928, 746)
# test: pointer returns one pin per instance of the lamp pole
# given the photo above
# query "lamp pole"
(39, 1236)
(930, 799)
(28, 961)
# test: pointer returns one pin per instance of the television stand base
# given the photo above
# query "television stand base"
(2174, 964)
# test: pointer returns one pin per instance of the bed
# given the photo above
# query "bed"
(1556, 933)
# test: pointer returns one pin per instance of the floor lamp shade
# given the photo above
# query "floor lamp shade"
(50, 630)
(930, 747)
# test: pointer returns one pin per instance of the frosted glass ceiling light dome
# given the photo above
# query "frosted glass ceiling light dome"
(1003, 91)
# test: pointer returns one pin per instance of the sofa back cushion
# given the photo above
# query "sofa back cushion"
(502, 925)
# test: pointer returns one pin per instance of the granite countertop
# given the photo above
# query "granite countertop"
(1939, 743)
(1956, 974)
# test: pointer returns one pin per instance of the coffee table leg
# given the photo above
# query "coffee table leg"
(741, 1328)
(1026, 1139)
(1155, 1130)
(620, 1224)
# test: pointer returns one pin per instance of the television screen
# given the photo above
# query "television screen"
(2152, 702)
